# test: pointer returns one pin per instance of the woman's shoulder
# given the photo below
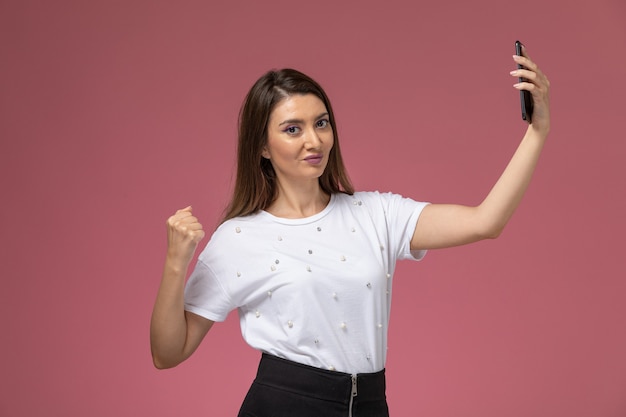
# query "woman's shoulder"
(237, 224)
(356, 195)
(235, 236)
(367, 196)
(378, 201)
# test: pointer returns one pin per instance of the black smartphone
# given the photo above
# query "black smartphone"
(526, 99)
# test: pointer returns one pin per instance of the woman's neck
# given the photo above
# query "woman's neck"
(298, 202)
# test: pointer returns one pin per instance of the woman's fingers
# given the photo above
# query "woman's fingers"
(536, 82)
(531, 70)
(184, 232)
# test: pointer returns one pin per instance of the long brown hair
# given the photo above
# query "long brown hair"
(255, 185)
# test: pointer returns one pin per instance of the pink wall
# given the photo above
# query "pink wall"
(114, 114)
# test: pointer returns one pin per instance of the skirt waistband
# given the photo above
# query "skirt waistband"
(319, 383)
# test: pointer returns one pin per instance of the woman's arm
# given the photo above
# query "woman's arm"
(175, 333)
(446, 225)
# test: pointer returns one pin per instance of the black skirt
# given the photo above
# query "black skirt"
(288, 389)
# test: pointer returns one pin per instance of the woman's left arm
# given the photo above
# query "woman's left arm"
(446, 225)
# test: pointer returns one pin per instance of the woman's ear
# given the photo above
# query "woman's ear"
(264, 153)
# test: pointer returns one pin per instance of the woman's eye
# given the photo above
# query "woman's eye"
(292, 130)
(322, 123)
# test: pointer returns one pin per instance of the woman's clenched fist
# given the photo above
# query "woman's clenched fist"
(184, 232)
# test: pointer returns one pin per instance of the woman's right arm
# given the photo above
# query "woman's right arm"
(175, 333)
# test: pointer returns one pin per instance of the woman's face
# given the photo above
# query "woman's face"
(299, 138)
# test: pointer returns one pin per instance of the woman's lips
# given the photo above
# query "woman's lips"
(313, 159)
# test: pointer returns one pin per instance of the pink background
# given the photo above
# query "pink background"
(114, 114)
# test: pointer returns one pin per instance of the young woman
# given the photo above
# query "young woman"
(307, 261)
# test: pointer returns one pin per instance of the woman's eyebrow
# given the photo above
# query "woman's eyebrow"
(292, 121)
(300, 121)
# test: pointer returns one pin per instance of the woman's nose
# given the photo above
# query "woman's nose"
(312, 139)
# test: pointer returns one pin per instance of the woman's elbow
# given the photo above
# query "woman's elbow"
(158, 364)
(492, 230)
(161, 362)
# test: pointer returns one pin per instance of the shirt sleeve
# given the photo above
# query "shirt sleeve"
(205, 295)
(401, 215)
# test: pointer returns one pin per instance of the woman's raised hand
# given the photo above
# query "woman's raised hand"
(184, 232)
(538, 85)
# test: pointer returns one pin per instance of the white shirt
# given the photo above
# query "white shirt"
(315, 290)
